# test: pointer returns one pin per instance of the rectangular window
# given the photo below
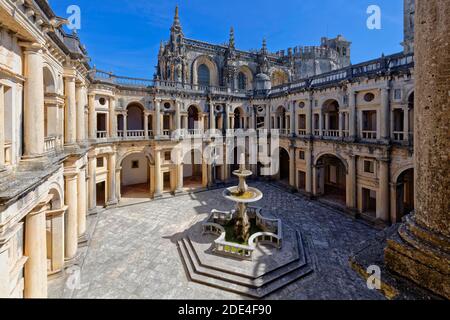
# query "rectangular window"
(167, 156)
(301, 155)
(397, 94)
(100, 162)
(369, 166)
(135, 164)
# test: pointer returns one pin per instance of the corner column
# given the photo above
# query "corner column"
(71, 226)
(33, 102)
(92, 117)
(70, 109)
(112, 197)
(36, 251)
(82, 205)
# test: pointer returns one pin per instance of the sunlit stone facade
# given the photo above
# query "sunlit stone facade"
(75, 140)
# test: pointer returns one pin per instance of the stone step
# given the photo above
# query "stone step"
(225, 284)
(208, 265)
(254, 282)
(239, 289)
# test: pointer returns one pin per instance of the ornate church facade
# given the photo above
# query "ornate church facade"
(76, 140)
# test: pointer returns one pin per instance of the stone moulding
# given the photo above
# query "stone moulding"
(272, 234)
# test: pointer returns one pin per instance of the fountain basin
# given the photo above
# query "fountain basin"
(249, 196)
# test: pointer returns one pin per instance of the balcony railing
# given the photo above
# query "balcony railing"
(49, 144)
(317, 133)
(8, 152)
(102, 134)
(345, 133)
(284, 132)
(302, 132)
(369, 135)
(135, 133)
(399, 136)
(331, 133)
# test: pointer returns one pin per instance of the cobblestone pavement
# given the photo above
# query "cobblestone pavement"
(133, 253)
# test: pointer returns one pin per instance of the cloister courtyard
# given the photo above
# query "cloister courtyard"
(132, 252)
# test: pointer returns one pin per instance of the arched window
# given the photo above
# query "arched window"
(203, 75)
(242, 81)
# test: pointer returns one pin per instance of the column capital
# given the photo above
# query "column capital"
(31, 46)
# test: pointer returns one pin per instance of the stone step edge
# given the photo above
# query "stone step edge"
(205, 265)
(238, 289)
(255, 282)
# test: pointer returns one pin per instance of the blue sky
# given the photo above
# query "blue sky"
(123, 36)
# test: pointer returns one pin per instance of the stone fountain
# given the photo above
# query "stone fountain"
(241, 250)
(243, 195)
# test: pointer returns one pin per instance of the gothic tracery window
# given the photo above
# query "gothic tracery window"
(242, 81)
(203, 75)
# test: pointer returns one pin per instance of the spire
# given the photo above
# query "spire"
(176, 19)
(264, 46)
(231, 38)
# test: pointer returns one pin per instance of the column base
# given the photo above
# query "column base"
(83, 240)
(179, 191)
(112, 203)
(421, 256)
(158, 195)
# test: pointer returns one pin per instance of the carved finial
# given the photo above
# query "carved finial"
(264, 45)
(231, 37)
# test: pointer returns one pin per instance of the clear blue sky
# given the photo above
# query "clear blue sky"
(123, 36)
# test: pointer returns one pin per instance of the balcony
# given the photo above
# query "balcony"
(399, 136)
(49, 144)
(135, 134)
(302, 132)
(102, 134)
(331, 133)
(284, 132)
(369, 135)
(317, 133)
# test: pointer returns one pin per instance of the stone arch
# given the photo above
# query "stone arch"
(326, 153)
(124, 155)
(401, 170)
(135, 116)
(279, 77)
(330, 178)
(57, 201)
(50, 80)
(212, 66)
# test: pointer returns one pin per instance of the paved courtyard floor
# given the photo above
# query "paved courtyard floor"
(133, 255)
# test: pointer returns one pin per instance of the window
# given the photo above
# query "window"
(166, 105)
(167, 156)
(397, 94)
(100, 162)
(301, 155)
(369, 97)
(203, 75)
(301, 105)
(369, 166)
(135, 164)
(102, 101)
(242, 81)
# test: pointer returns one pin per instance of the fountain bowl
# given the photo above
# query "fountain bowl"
(250, 196)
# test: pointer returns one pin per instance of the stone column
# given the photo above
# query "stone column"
(80, 103)
(92, 166)
(292, 168)
(70, 110)
(2, 126)
(321, 123)
(420, 251)
(341, 129)
(125, 125)
(294, 120)
(145, 126)
(112, 118)
(71, 226)
(33, 94)
(383, 188)
(227, 117)
(406, 124)
(158, 174)
(212, 118)
(308, 159)
(36, 251)
(177, 115)
(315, 182)
(112, 197)
(309, 105)
(267, 118)
(352, 115)
(157, 118)
(351, 183)
(385, 114)
(82, 206)
(204, 173)
(92, 117)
